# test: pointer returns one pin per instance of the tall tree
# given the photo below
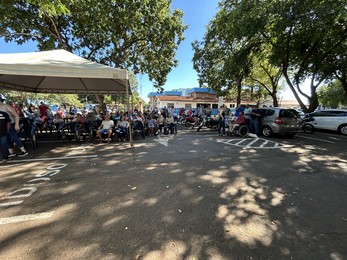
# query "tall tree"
(302, 37)
(332, 95)
(221, 61)
(267, 76)
(139, 35)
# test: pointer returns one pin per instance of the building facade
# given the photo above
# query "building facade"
(191, 98)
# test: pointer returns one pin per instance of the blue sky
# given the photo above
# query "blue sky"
(197, 14)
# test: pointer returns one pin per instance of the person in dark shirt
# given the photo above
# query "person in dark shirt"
(221, 117)
(4, 128)
(256, 116)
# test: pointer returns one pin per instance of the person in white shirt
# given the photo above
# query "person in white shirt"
(248, 111)
(105, 127)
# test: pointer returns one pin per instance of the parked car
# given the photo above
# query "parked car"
(330, 119)
(277, 120)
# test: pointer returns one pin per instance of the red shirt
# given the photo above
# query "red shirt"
(43, 109)
(241, 120)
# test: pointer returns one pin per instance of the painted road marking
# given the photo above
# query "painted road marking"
(11, 203)
(52, 159)
(253, 143)
(163, 140)
(22, 218)
(317, 139)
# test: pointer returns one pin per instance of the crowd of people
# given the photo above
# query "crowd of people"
(243, 115)
(109, 124)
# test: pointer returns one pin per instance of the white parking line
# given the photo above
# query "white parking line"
(254, 141)
(240, 141)
(52, 159)
(265, 143)
(22, 218)
(318, 139)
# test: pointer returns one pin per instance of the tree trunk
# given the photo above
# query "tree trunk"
(239, 88)
(102, 105)
(343, 80)
(274, 98)
(302, 105)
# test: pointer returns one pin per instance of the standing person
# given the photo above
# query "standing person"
(221, 116)
(14, 127)
(248, 111)
(238, 109)
(255, 120)
(5, 124)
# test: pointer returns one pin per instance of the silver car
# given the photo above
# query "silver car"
(277, 120)
(330, 119)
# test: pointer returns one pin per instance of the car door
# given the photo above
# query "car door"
(334, 119)
(320, 118)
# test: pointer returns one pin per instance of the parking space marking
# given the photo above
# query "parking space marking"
(52, 159)
(317, 139)
(22, 218)
(253, 143)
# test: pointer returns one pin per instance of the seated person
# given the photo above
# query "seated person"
(122, 128)
(105, 127)
(169, 122)
(160, 122)
(241, 120)
(77, 123)
(152, 123)
(89, 122)
(58, 122)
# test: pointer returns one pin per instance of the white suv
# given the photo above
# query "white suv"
(330, 119)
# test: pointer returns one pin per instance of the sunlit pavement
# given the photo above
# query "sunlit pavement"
(189, 196)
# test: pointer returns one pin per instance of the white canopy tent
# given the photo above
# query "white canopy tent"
(60, 71)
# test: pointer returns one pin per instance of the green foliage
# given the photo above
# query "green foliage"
(139, 35)
(304, 39)
(33, 98)
(332, 95)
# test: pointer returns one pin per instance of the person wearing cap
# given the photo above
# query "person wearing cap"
(14, 128)
(4, 128)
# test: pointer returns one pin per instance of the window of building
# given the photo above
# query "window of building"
(170, 105)
(187, 106)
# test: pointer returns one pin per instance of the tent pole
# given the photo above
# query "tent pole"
(128, 107)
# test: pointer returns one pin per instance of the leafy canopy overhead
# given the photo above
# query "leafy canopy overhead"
(300, 39)
(139, 35)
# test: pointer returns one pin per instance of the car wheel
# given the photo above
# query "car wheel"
(343, 129)
(267, 131)
(308, 128)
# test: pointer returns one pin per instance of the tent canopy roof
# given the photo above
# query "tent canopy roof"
(60, 71)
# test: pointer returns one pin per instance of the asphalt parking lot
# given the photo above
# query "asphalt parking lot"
(189, 196)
